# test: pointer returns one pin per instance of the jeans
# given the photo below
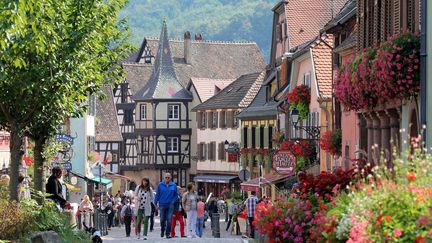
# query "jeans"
(252, 229)
(166, 213)
(127, 222)
(229, 221)
(191, 222)
(199, 226)
(177, 217)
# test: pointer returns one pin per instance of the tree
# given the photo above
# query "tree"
(53, 55)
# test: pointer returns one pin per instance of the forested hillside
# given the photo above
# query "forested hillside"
(248, 20)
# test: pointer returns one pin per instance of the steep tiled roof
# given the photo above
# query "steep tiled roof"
(347, 11)
(206, 87)
(163, 83)
(238, 94)
(259, 108)
(322, 61)
(306, 17)
(209, 59)
(107, 128)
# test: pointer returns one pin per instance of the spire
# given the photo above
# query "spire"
(163, 83)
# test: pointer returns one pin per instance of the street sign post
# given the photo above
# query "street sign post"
(244, 175)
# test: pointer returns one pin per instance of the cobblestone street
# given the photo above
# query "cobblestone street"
(117, 234)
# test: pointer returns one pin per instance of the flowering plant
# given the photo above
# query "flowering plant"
(397, 66)
(299, 98)
(356, 87)
(331, 142)
(303, 150)
(278, 138)
(388, 205)
(380, 75)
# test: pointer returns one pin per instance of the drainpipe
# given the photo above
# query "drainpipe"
(423, 63)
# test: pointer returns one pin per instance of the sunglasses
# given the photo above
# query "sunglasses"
(167, 177)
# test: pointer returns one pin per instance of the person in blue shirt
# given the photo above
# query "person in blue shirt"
(166, 196)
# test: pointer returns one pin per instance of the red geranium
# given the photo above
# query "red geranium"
(331, 142)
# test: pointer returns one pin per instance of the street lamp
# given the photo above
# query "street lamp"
(226, 144)
(313, 131)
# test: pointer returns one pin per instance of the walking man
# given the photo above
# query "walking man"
(126, 214)
(190, 201)
(251, 203)
(166, 196)
(231, 211)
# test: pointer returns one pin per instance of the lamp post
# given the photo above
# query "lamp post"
(313, 131)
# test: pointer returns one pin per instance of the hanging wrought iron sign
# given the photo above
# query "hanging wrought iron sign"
(284, 162)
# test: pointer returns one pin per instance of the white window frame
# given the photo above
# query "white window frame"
(170, 144)
(174, 115)
(143, 115)
(306, 79)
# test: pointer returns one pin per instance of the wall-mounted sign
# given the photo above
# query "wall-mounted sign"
(67, 166)
(232, 157)
(284, 162)
(64, 138)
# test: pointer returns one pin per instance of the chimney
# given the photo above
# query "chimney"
(198, 37)
(187, 47)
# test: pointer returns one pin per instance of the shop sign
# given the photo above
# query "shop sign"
(64, 138)
(284, 162)
(232, 157)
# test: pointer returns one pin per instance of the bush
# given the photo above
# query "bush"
(18, 221)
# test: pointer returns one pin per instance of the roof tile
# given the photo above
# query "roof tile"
(206, 86)
(322, 61)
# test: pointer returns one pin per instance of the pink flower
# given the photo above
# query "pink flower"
(397, 232)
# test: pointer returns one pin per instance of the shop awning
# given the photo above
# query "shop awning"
(105, 181)
(214, 178)
(253, 184)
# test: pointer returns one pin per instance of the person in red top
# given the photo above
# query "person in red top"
(200, 217)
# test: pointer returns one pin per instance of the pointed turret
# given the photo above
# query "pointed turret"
(163, 83)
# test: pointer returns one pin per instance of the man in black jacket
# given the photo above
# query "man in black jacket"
(54, 187)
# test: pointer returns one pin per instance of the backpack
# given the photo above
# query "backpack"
(128, 211)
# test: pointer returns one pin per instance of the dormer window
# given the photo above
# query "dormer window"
(173, 112)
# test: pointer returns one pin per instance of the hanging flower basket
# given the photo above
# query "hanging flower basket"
(299, 98)
(397, 66)
(331, 142)
(375, 76)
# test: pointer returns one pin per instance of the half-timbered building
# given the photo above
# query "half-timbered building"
(154, 100)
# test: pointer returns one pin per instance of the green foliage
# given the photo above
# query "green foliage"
(218, 20)
(18, 221)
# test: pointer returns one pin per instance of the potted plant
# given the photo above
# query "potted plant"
(299, 99)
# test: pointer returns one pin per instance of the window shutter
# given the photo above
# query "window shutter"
(220, 148)
(396, 16)
(205, 154)
(199, 119)
(199, 151)
(209, 119)
(283, 73)
(230, 120)
(214, 151)
(215, 119)
(222, 119)
(278, 34)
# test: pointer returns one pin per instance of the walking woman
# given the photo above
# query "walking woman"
(85, 208)
(144, 198)
(190, 202)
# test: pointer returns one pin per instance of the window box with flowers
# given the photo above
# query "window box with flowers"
(299, 98)
(331, 142)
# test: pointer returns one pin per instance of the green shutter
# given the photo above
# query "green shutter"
(266, 137)
(249, 137)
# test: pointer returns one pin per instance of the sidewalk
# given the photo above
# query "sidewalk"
(117, 234)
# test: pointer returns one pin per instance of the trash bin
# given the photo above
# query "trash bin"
(216, 226)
